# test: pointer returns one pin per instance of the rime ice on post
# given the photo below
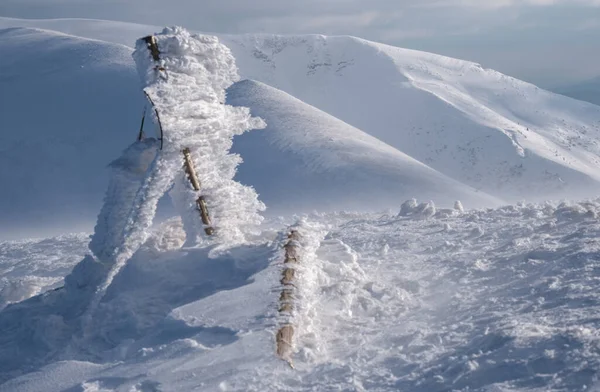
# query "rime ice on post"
(187, 87)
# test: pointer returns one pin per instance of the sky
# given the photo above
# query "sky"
(549, 42)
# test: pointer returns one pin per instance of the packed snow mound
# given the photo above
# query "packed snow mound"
(310, 160)
(69, 106)
(487, 130)
(431, 300)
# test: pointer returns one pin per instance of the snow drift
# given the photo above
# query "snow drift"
(484, 300)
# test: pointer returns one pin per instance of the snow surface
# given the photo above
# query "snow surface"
(421, 298)
(481, 300)
(68, 108)
(31, 267)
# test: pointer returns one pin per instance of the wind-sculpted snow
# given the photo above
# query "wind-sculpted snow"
(127, 174)
(431, 299)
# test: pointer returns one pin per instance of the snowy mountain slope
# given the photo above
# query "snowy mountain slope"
(480, 127)
(73, 105)
(492, 132)
(347, 168)
(68, 107)
(123, 33)
(484, 300)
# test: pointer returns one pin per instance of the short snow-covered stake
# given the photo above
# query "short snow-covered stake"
(200, 202)
(285, 335)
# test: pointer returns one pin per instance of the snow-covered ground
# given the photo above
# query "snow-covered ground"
(421, 297)
(489, 300)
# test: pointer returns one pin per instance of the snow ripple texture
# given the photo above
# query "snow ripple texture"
(189, 97)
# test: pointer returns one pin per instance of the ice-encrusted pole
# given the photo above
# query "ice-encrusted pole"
(186, 76)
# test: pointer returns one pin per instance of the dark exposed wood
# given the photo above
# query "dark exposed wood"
(157, 118)
(152, 45)
(141, 133)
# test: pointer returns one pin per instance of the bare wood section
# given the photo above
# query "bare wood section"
(284, 341)
(200, 202)
(285, 335)
(150, 41)
(157, 118)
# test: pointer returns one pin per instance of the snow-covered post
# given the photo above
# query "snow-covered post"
(185, 76)
(285, 334)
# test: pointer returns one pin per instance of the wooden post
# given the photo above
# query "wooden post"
(285, 335)
(150, 41)
(200, 202)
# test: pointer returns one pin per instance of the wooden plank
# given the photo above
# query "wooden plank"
(200, 202)
(190, 170)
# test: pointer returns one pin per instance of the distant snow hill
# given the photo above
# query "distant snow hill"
(306, 159)
(405, 123)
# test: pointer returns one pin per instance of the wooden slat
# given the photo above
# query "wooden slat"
(190, 171)
(285, 335)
